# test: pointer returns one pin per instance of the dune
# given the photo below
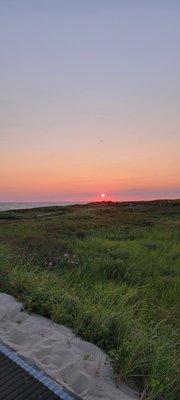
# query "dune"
(79, 365)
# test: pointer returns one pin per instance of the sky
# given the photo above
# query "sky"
(89, 100)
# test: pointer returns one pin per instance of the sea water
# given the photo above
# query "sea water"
(4, 206)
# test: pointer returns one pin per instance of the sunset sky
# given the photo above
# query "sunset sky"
(89, 99)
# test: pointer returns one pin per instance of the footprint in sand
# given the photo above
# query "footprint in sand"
(62, 358)
(79, 380)
(19, 338)
(39, 354)
(46, 361)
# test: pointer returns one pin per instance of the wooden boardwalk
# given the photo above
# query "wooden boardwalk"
(21, 381)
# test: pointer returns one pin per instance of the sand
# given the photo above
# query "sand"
(80, 366)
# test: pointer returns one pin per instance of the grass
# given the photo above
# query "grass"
(108, 271)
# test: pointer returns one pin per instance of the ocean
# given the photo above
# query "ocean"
(4, 206)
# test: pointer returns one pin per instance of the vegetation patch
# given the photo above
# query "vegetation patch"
(108, 271)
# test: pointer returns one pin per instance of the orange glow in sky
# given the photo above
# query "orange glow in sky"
(90, 100)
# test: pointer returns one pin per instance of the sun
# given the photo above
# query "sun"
(102, 195)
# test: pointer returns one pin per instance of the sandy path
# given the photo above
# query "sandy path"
(79, 365)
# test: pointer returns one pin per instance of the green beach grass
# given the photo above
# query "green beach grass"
(110, 272)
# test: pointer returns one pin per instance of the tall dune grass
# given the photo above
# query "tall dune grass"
(111, 274)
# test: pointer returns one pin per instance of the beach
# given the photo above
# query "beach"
(79, 365)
